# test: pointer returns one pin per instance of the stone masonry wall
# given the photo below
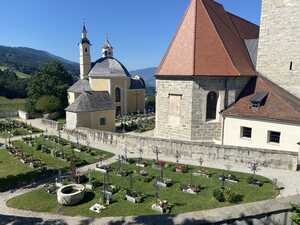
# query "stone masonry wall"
(279, 43)
(193, 91)
(228, 90)
(164, 127)
(192, 150)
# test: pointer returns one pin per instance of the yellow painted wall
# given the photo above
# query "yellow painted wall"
(109, 115)
(135, 100)
(100, 84)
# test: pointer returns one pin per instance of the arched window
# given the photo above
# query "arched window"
(211, 107)
(118, 94)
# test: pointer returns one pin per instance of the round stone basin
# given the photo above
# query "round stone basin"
(70, 194)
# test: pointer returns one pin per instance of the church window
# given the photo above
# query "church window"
(211, 105)
(102, 121)
(118, 94)
(86, 50)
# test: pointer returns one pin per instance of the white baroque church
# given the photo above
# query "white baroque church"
(226, 80)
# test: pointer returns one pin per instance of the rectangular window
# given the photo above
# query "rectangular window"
(246, 132)
(274, 137)
(102, 121)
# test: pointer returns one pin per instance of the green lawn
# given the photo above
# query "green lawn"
(82, 158)
(14, 174)
(18, 73)
(9, 105)
(42, 202)
(10, 166)
(47, 159)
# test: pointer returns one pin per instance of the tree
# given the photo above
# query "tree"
(48, 104)
(50, 80)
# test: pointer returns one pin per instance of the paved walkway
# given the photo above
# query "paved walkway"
(290, 180)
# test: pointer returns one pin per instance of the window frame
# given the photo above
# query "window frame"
(209, 119)
(101, 123)
(118, 95)
(242, 134)
(270, 141)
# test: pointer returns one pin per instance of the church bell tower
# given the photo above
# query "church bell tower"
(85, 54)
(279, 44)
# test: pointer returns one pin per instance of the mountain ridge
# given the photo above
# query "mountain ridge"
(28, 60)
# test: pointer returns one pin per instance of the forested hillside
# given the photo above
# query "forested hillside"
(28, 60)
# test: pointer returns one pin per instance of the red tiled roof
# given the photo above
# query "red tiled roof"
(279, 104)
(209, 42)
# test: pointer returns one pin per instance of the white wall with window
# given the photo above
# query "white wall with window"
(261, 134)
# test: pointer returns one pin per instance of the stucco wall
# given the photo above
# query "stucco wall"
(279, 43)
(100, 84)
(108, 115)
(135, 101)
(71, 97)
(91, 120)
(290, 134)
(71, 120)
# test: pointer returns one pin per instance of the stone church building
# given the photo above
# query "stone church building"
(104, 91)
(226, 80)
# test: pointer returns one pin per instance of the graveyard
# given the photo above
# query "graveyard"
(32, 158)
(10, 128)
(132, 187)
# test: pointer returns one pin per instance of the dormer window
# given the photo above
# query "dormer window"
(259, 99)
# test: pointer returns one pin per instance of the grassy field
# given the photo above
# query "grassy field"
(18, 73)
(10, 166)
(182, 202)
(8, 105)
(82, 158)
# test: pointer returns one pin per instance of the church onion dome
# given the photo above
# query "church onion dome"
(108, 66)
(92, 102)
(80, 86)
(136, 82)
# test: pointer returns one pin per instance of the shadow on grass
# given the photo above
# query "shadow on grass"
(16, 220)
(26, 180)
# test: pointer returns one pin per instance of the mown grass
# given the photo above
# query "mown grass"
(180, 201)
(10, 105)
(11, 166)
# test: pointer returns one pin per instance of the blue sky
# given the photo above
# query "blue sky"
(140, 30)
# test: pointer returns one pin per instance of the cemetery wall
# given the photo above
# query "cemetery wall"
(191, 150)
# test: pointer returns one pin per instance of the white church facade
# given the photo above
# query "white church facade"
(227, 81)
